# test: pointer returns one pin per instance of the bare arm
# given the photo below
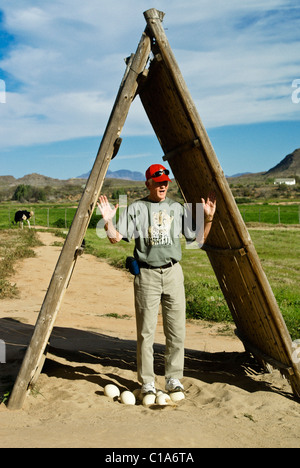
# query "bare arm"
(209, 209)
(108, 214)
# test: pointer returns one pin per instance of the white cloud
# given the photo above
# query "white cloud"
(238, 59)
(234, 87)
(52, 118)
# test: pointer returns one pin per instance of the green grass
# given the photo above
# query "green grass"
(279, 253)
(14, 245)
(46, 215)
(271, 213)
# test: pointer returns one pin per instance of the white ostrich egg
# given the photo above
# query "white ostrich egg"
(163, 399)
(127, 398)
(111, 391)
(149, 399)
(177, 396)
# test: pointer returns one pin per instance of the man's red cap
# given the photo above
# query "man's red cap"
(153, 169)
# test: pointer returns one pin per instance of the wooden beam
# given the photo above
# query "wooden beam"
(180, 149)
(35, 353)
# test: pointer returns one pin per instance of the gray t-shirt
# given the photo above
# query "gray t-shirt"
(156, 228)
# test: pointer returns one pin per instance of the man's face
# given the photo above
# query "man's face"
(158, 190)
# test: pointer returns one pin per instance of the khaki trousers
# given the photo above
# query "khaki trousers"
(153, 287)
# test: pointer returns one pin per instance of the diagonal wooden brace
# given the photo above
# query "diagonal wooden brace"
(35, 354)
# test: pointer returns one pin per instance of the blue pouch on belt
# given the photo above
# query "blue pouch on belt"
(132, 265)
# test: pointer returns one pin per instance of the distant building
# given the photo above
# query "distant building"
(285, 181)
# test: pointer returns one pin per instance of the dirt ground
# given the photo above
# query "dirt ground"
(229, 401)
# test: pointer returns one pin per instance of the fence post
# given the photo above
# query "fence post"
(279, 215)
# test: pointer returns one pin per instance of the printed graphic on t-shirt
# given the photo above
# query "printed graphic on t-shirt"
(159, 233)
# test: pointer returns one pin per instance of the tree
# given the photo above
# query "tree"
(21, 193)
(27, 192)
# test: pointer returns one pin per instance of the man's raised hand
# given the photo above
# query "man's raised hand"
(105, 208)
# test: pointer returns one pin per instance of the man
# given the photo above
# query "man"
(156, 223)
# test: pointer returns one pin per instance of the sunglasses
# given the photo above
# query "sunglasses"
(160, 173)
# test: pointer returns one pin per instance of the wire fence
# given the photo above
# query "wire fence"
(52, 217)
(62, 217)
(271, 214)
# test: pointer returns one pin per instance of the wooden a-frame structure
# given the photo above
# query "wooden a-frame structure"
(194, 164)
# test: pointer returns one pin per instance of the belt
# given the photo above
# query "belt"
(150, 267)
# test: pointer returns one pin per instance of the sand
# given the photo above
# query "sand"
(229, 401)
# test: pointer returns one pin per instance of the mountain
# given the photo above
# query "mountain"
(37, 180)
(121, 174)
(7, 180)
(239, 174)
(289, 166)
(84, 176)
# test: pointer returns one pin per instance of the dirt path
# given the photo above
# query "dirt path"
(228, 402)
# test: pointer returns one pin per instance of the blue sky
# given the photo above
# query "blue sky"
(61, 64)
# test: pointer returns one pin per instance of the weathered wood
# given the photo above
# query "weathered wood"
(31, 365)
(264, 357)
(184, 147)
(176, 122)
(187, 147)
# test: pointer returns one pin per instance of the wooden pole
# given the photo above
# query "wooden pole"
(35, 354)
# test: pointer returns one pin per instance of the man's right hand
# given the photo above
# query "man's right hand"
(105, 208)
(107, 214)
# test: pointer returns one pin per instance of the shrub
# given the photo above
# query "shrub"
(27, 192)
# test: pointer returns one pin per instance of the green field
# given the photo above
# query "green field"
(55, 215)
(271, 213)
(278, 248)
(45, 215)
